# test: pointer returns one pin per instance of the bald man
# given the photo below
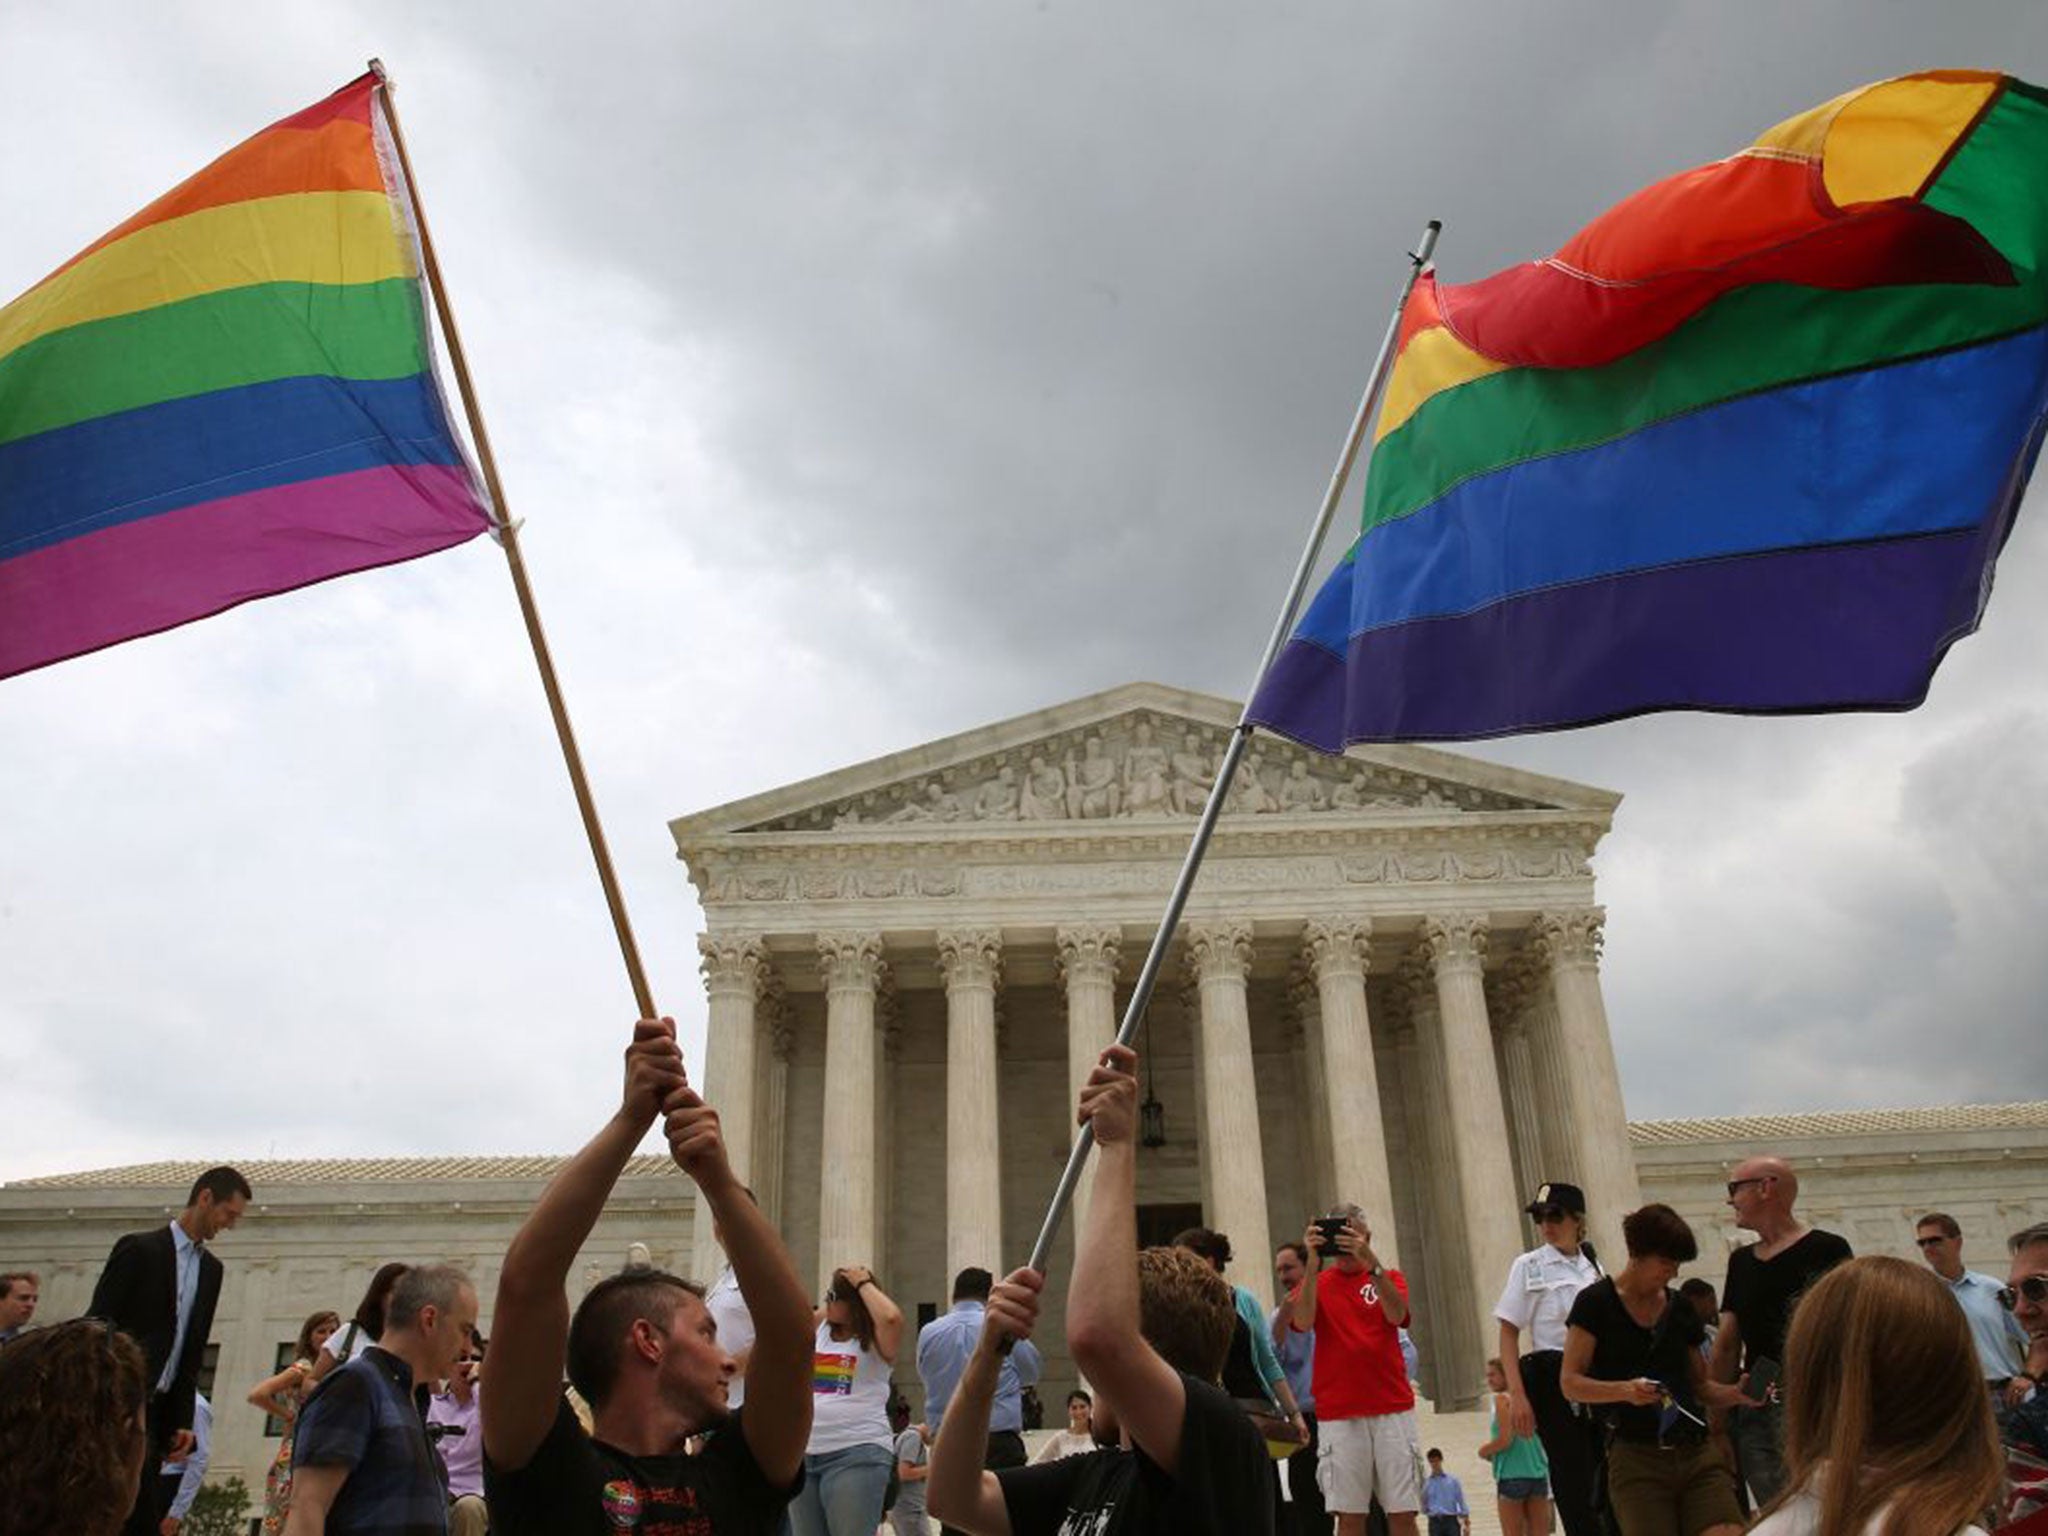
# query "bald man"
(1765, 1280)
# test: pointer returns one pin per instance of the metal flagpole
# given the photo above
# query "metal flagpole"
(1240, 736)
(507, 534)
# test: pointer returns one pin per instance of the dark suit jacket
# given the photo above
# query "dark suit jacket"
(138, 1293)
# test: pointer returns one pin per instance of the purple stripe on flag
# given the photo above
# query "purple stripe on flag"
(1850, 626)
(154, 574)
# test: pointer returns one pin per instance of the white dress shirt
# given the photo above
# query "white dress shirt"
(1542, 1284)
(187, 1253)
(728, 1309)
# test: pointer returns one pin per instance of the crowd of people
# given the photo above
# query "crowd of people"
(1820, 1395)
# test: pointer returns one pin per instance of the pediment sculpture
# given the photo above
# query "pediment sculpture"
(1137, 768)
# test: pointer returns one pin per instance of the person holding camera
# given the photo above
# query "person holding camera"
(455, 1425)
(1365, 1406)
(1542, 1285)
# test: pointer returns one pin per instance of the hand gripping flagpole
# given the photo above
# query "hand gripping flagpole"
(1240, 737)
(506, 531)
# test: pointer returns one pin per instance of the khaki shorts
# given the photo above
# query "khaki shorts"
(1681, 1490)
(1359, 1458)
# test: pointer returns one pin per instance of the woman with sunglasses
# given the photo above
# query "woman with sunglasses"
(852, 1450)
(1888, 1431)
(1542, 1285)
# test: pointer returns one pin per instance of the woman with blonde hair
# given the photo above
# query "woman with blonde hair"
(1887, 1428)
(281, 1396)
(72, 1432)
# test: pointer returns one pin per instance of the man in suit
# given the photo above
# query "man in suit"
(159, 1287)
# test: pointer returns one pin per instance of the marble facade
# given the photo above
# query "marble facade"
(1385, 989)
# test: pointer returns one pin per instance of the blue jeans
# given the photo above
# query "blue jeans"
(843, 1492)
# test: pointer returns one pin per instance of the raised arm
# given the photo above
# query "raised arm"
(888, 1317)
(1301, 1306)
(777, 1416)
(959, 1493)
(1147, 1395)
(530, 1323)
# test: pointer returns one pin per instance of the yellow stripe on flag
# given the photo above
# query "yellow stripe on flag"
(306, 237)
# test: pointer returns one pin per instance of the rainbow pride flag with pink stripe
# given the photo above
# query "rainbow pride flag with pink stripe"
(1751, 442)
(231, 395)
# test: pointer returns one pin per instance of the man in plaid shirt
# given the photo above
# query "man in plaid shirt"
(361, 1461)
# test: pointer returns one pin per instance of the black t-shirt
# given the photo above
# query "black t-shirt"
(1624, 1349)
(577, 1486)
(1762, 1292)
(1223, 1486)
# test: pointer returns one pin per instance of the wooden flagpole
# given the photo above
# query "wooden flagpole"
(506, 531)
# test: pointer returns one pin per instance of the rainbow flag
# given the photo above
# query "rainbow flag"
(231, 395)
(1751, 442)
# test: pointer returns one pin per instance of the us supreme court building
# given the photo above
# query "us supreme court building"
(1385, 989)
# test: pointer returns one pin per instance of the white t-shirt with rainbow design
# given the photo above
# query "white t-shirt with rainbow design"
(849, 1396)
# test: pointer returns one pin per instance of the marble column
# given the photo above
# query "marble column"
(1456, 948)
(1310, 1078)
(1445, 1298)
(771, 1095)
(889, 1037)
(1518, 1084)
(1553, 1073)
(853, 969)
(1336, 954)
(1220, 956)
(735, 967)
(970, 962)
(1088, 958)
(1570, 942)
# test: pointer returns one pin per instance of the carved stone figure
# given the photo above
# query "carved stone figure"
(1092, 791)
(939, 804)
(1300, 792)
(1248, 792)
(1045, 793)
(1192, 771)
(998, 798)
(1147, 790)
(1352, 795)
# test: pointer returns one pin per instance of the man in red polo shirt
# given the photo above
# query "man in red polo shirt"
(1364, 1404)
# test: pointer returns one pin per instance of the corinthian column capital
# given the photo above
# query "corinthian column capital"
(1219, 950)
(1089, 952)
(1336, 948)
(1571, 938)
(851, 962)
(1455, 941)
(734, 964)
(970, 957)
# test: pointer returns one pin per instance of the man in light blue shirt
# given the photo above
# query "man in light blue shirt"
(1443, 1500)
(2001, 1341)
(943, 1349)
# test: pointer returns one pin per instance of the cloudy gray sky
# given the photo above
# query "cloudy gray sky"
(865, 374)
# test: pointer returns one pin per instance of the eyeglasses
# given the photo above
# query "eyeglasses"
(2034, 1288)
(1930, 1242)
(1549, 1213)
(1735, 1186)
